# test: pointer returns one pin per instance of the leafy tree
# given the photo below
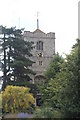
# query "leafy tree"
(54, 67)
(16, 62)
(17, 99)
(62, 91)
(72, 89)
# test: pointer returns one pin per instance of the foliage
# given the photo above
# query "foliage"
(16, 53)
(0, 104)
(46, 112)
(62, 91)
(0, 100)
(54, 67)
(17, 99)
(71, 102)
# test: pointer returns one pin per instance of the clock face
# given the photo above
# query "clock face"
(40, 54)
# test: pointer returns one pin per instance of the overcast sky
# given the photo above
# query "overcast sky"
(59, 16)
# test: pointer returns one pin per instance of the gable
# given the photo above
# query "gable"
(38, 31)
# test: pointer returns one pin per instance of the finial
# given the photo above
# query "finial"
(37, 20)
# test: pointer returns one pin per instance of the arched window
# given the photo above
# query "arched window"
(39, 45)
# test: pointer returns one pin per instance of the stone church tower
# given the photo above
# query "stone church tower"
(43, 51)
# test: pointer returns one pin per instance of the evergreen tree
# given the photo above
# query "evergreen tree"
(16, 62)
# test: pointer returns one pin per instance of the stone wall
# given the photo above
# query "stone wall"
(47, 52)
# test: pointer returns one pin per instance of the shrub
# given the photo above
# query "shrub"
(47, 112)
(17, 99)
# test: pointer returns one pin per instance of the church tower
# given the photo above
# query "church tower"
(43, 51)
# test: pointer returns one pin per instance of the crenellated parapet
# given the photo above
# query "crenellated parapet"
(38, 33)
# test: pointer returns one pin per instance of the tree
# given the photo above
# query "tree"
(72, 99)
(54, 67)
(62, 91)
(17, 99)
(16, 62)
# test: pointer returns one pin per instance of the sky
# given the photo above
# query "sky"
(59, 16)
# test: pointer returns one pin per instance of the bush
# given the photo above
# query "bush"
(0, 100)
(47, 112)
(17, 99)
(0, 105)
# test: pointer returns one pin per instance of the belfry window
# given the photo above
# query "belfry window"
(39, 45)
(40, 62)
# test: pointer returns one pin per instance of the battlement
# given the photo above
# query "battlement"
(38, 33)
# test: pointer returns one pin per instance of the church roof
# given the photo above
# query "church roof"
(38, 31)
